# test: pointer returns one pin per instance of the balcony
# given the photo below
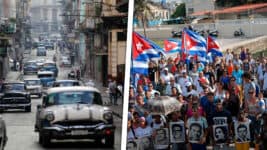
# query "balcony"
(109, 9)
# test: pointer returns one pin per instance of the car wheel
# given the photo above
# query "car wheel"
(44, 139)
(109, 141)
(28, 109)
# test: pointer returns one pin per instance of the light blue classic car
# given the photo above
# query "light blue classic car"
(47, 78)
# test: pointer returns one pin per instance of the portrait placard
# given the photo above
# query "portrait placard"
(132, 144)
(162, 138)
(177, 132)
(195, 132)
(145, 143)
(220, 133)
(242, 132)
(219, 120)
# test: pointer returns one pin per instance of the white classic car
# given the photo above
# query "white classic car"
(34, 86)
(74, 113)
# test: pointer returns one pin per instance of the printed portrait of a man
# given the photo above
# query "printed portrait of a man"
(145, 143)
(220, 133)
(177, 132)
(162, 137)
(242, 132)
(132, 145)
(195, 132)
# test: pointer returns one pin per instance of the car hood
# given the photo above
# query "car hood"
(72, 112)
(29, 87)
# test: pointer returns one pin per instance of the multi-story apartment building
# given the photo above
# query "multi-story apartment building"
(198, 5)
(45, 16)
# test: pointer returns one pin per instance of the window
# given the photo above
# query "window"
(121, 36)
(190, 10)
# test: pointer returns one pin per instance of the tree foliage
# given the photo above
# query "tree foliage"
(179, 12)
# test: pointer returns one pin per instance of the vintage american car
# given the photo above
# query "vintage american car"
(41, 51)
(14, 96)
(74, 113)
(47, 78)
(50, 66)
(34, 86)
(3, 135)
(30, 67)
(66, 83)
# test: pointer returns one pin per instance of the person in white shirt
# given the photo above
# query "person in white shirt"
(190, 90)
(172, 84)
(144, 129)
(166, 76)
(152, 91)
(228, 56)
(183, 80)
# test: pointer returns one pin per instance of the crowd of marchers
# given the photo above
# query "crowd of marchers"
(223, 103)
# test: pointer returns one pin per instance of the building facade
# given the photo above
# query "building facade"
(198, 5)
(45, 16)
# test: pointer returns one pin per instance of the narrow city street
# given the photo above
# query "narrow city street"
(20, 125)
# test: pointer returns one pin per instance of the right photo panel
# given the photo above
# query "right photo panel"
(198, 75)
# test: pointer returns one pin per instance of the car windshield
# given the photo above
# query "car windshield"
(49, 65)
(74, 97)
(45, 75)
(15, 86)
(64, 84)
(32, 82)
(30, 64)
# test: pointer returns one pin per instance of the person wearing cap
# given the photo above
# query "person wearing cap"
(201, 82)
(166, 76)
(144, 129)
(190, 90)
(183, 80)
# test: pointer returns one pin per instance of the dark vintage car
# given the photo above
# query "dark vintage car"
(74, 113)
(30, 67)
(66, 83)
(15, 96)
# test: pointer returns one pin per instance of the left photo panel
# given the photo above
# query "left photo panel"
(62, 70)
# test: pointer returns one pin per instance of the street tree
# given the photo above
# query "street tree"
(142, 12)
(179, 12)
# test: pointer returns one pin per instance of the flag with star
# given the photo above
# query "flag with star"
(172, 46)
(193, 43)
(213, 47)
(144, 49)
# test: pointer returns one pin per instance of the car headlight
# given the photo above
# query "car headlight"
(108, 116)
(50, 116)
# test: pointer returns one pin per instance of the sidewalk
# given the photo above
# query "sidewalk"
(117, 109)
(13, 76)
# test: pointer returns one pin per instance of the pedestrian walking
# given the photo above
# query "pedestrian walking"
(112, 86)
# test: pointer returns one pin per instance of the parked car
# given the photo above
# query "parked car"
(30, 67)
(66, 83)
(34, 86)
(65, 62)
(47, 78)
(14, 96)
(3, 134)
(50, 66)
(41, 51)
(74, 113)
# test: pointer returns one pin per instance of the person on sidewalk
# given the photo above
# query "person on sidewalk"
(112, 86)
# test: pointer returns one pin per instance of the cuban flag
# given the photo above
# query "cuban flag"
(213, 47)
(144, 49)
(172, 46)
(193, 43)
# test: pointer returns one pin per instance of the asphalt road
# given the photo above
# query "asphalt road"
(20, 125)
